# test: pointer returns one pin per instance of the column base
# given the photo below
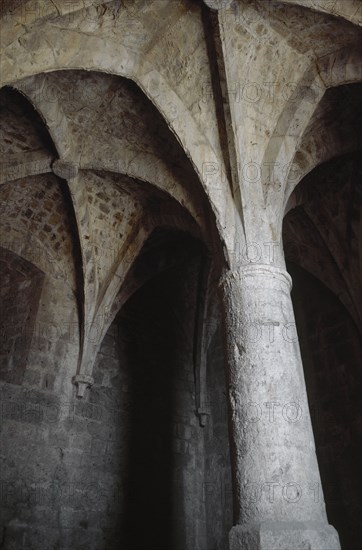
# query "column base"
(284, 535)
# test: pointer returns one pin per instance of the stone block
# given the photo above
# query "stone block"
(284, 535)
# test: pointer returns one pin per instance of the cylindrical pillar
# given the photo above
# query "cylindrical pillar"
(278, 495)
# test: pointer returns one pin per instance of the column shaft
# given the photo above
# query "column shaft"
(278, 493)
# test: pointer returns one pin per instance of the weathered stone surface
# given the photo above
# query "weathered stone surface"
(218, 4)
(23, 280)
(282, 535)
(65, 169)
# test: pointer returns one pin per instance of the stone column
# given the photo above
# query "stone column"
(279, 501)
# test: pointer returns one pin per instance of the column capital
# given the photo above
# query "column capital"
(257, 271)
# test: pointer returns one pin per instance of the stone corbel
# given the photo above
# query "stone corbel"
(82, 382)
(88, 352)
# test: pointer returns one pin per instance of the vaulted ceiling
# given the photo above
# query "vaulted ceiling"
(121, 117)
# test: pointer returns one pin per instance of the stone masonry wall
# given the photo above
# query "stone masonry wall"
(21, 284)
(165, 470)
(332, 356)
(218, 488)
(37, 224)
(125, 465)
